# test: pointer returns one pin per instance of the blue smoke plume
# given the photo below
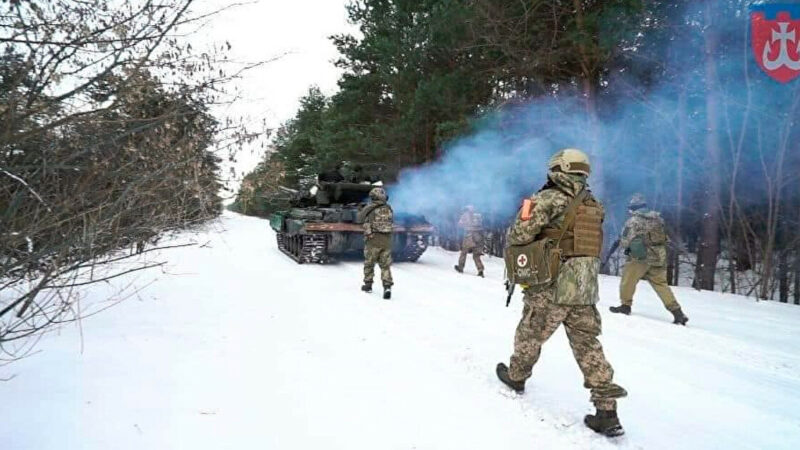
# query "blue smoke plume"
(649, 134)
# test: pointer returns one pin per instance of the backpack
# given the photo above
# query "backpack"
(656, 232)
(537, 264)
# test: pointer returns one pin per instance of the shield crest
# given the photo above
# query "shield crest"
(775, 38)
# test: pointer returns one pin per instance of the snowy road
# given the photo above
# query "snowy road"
(240, 348)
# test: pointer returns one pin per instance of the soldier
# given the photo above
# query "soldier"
(345, 172)
(332, 176)
(570, 299)
(377, 218)
(472, 223)
(644, 240)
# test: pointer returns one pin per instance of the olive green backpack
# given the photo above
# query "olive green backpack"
(655, 235)
(537, 264)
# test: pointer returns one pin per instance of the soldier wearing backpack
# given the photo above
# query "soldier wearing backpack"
(553, 254)
(472, 223)
(644, 240)
(378, 220)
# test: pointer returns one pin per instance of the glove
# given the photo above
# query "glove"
(627, 252)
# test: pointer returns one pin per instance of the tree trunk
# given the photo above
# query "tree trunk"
(708, 247)
(671, 272)
(590, 81)
(796, 278)
(675, 256)
(783, 276)
(742, 256)
(796, 268)
(776, 181)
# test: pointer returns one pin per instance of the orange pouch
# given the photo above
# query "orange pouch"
(527, 209)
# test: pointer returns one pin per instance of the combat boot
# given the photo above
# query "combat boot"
(458, 269)
(621, 309)
(387, 292)
(367, 287)
(604, 422)
(480, 273)
(680, 317)
(502, 374)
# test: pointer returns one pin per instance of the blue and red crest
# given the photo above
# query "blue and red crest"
(775, 37)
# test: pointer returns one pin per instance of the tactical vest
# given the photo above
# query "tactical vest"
(581, 231)
(381, 219)
(580, 234)
(651, 235)
(656, 232)
(476, 224)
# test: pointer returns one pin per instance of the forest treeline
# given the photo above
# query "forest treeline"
(669, 90)
(106, 143)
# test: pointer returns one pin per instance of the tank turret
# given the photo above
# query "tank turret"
(322, 222)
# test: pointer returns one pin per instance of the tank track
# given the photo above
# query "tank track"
(410, 253)
(304, 248)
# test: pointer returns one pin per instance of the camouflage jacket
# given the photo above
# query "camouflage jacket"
(648, 226)
(377, 217)
(577, 278)
(472, 223)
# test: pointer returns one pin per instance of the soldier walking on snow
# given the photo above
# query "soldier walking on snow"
(377, 218)
(558, 237)
(644, 240)
(472, 223)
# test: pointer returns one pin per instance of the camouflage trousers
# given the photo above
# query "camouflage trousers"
(540, 319)
(380, 255)
(657, 276)
(472, 245)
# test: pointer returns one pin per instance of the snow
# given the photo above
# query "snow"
(238, 347)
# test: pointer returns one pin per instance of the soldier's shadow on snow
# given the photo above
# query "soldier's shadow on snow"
(354, 258)
(655, 317)
(359, 258)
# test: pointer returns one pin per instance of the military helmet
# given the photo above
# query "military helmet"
(378, 193)
(570, 160)
(637, 201)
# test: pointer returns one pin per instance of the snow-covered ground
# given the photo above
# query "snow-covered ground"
(237, 347)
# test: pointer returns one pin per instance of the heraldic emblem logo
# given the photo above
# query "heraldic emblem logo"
(775, 37)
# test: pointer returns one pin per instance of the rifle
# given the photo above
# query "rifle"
(510, 285)
(604, 263)
(510, 289)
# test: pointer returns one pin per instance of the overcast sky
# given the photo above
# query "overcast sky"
(268, 28)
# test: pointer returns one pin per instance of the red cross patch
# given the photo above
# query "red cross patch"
(522, 260)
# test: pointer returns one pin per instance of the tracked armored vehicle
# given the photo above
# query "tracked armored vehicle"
(322, 225)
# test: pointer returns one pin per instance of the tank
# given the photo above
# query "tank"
(322, 224)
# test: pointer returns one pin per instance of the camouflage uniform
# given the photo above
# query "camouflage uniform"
(377, 218)
(571, 301)
(641, 225)
(472, 224)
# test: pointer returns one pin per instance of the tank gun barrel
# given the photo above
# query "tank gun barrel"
(289, 190)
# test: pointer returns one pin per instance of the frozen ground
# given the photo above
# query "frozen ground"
(240, 348)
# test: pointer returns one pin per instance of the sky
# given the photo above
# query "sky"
(294, 31)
